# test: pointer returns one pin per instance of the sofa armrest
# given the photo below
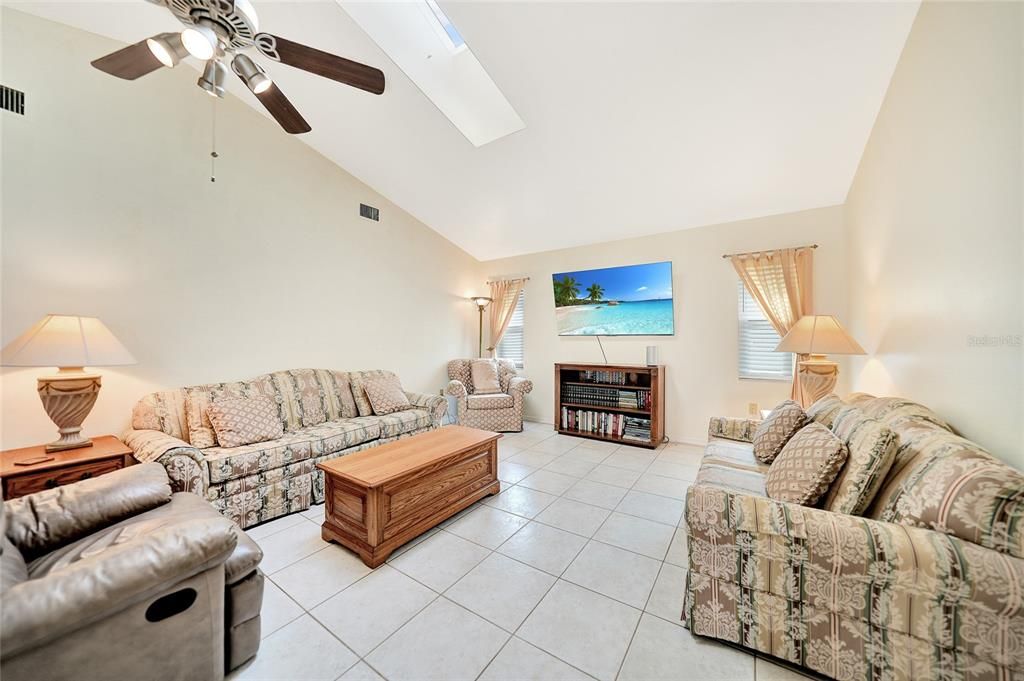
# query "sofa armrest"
(39, 610)
(186, 465)
(732, 428)
(435, 404)
(843, 564)
(456, 389)
(41, 522)
(520, 386)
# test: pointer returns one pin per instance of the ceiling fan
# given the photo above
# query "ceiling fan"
(217, 31)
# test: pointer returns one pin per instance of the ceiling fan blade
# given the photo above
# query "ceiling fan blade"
(282, 110)
(129, 62)
(321, 63)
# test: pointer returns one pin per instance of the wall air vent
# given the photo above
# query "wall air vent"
(12, 100)
(369, 212)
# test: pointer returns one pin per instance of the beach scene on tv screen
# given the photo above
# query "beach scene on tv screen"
(635, 300)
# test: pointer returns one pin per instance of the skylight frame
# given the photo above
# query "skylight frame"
(443, 25)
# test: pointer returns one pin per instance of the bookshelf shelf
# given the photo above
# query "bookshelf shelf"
(598, 407)
(631, 396)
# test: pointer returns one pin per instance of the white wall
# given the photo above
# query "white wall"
(108, 210)
(701, 358)
(935, 230)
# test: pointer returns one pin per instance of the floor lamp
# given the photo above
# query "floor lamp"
(818, 336)
(481, 304)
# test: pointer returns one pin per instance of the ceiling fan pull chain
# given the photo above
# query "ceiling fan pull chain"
(213, 141)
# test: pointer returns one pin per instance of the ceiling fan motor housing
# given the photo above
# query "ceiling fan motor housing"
(236, 21)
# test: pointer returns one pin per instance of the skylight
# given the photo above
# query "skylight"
(446, 23)
(423, 42)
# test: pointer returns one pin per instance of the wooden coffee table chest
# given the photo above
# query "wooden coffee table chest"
(380, 498)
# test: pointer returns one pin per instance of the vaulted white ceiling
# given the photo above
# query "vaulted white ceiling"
(640, 117)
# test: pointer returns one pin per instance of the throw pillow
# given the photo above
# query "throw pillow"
(386, 395)
(807, 465)
(245, 420)
(773, 433)
(357, 380)
(872, 447)
(485, 376)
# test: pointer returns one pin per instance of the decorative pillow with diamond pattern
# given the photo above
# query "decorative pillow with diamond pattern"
(773, 433)
(386, 395)
(245, 420)
(807, 465)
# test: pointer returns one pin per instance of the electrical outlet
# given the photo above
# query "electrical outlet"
(753, 409)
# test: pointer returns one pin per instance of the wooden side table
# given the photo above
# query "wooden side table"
(106, 454)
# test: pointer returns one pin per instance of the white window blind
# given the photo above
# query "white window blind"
(511, 345)
(757, 341)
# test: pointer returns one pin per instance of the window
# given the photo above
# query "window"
(757, 341)
(511, 345)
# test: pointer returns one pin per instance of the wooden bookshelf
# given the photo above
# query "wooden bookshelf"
(599, 402)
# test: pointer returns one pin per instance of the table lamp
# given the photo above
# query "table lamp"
(69, 343)
(818, 336)
(481, 304)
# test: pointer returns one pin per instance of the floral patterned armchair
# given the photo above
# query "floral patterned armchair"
(502, 412)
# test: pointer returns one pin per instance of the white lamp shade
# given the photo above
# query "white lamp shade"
(819, 335)
(66, 341)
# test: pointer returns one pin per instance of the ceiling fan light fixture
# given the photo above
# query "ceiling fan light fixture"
(168, 48)
(200, 41)
(251, 73)
(212, 80)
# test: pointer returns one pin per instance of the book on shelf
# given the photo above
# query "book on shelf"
(608, 424)
(614, 377)
(599, 396)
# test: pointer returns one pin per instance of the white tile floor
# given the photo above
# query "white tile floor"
(574, 572)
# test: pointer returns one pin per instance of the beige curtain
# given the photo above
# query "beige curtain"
(782, 284)
(504, 295)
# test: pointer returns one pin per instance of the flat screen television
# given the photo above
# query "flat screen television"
(635, 300)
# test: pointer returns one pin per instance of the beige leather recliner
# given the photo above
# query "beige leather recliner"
(118, 578)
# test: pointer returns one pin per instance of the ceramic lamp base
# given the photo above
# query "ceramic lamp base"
(818, 377)
(68, 397)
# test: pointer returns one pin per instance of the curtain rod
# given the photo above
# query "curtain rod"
(495, 281)
(774, 250)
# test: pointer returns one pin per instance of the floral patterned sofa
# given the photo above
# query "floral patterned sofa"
(927, 584)
(325, 414)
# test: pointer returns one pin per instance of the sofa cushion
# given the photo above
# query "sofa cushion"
(954, 486)
(732, 453)
(485, 376)
(241, 421)
(163, 411)
(492, 401)
(385, 395)
(335, 436)
(780, 425)
(402, 422)
(731, 478)
(824, 411)
(896, 411)
(872, 448)
(806, 466)
(310, 397)
(229, 463)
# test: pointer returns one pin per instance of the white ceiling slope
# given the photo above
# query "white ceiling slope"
(640, 117)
